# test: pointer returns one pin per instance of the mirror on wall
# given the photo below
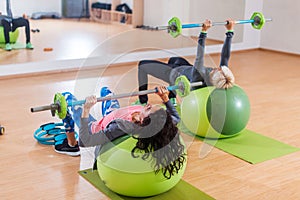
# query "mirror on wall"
(79, 39)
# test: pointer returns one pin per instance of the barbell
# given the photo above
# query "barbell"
(175, 27)
(60, 106)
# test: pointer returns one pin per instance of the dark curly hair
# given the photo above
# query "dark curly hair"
(164, 148)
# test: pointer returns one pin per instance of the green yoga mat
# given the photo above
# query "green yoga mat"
(14, 46)
(182, 191)
(249, 146)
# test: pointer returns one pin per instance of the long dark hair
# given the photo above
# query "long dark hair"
(164, 148)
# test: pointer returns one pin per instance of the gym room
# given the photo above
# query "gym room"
(149, 99)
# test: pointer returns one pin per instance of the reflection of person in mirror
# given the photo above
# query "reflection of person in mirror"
(10, 24)
(221, 77)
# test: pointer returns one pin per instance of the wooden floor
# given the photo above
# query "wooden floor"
(29, 170)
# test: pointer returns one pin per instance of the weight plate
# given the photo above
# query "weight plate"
(184, 86)
(259, 20)
(175, 28)
(63, 106)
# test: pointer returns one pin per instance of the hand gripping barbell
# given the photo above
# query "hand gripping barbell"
(175, 27)
(60, 105)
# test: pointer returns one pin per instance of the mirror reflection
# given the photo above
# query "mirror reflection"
(77, 38)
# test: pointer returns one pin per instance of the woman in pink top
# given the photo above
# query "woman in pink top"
(154, 128)
(120, 113)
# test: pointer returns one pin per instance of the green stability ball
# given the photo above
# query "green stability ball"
(131, 176)
(216, 113)
(13, 36)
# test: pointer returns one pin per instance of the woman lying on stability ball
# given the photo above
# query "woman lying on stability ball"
(154, 128)
(220, 77)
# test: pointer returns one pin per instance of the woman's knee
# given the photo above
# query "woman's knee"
(142, 66)
(172, 60)
(5, 23)
(143, 62)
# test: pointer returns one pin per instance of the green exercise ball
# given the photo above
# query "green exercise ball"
(216, 113)
(228, 110)
(13, 36)
(131, 176)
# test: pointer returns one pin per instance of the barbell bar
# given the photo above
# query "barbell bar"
(60, 105)
(175, 27)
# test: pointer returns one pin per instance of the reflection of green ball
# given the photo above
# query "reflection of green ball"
(13, 36)
(131, 176)
(216, 113)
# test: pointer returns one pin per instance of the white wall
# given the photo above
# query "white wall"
(159, 12)
(217, 11)
(283, 34)
(251, 38)
(20, 7)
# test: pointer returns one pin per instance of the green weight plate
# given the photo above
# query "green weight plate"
(60, 99)
(259, 20)
(184, 86)
(175, 27)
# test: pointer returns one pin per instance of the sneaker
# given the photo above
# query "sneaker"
(68, 123)
(70, 98)
(137, 102)
(65, 148)
(29, 46)
(173, 101)
(105, 91)
(109, 105)
(8, 47)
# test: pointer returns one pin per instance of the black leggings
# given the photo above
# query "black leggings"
(159, 70)
(16, 23)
